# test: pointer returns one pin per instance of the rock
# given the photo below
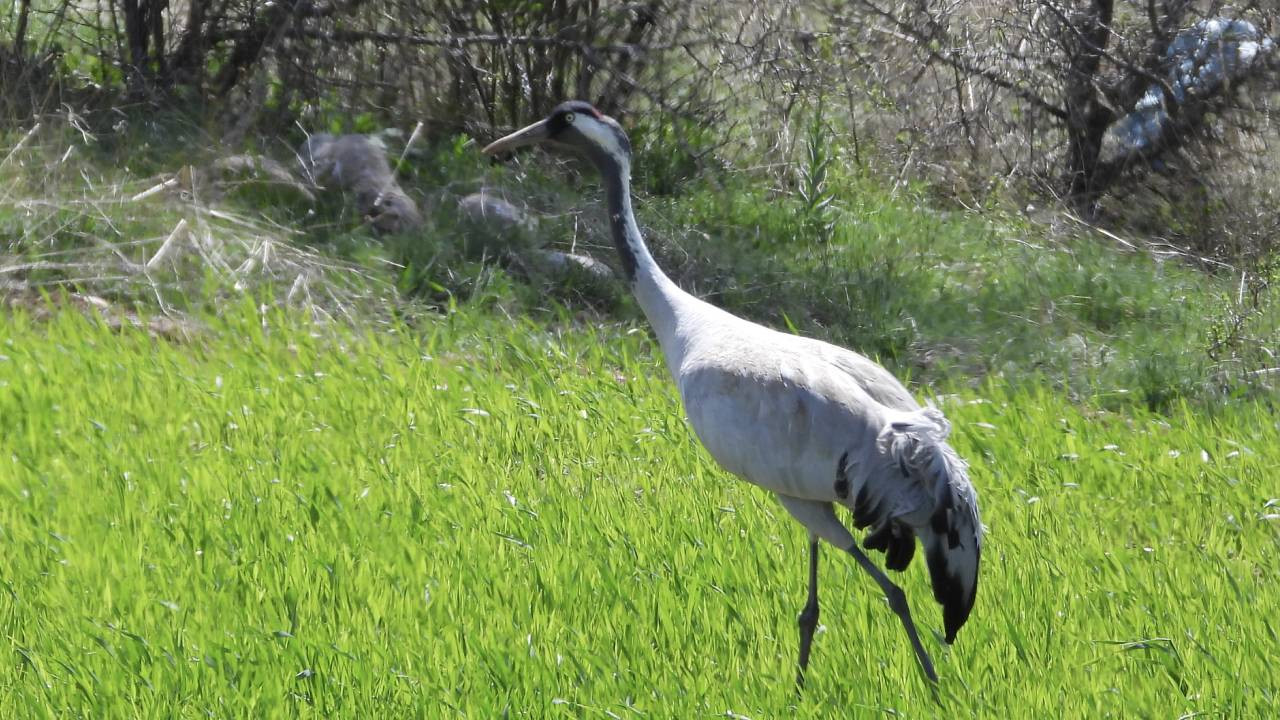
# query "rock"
(1075, 345)
(43, 307)
(357, 164)
(494, 213)
(563, 262)
(172, 328)
(495, 219)
(493, 227)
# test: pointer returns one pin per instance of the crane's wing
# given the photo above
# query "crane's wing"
(877, 382)
(953, 535)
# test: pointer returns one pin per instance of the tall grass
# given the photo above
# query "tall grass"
(484, 519)
(937, 294)
(160, 228)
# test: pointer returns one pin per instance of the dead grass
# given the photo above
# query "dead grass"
(68, 225)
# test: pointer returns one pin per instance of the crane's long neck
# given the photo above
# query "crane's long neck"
(658, 296)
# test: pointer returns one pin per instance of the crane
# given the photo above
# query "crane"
(813, 423)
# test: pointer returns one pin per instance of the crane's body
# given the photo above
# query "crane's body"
(813, 423)
(802, 414)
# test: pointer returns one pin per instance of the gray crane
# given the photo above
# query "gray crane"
(813, 423)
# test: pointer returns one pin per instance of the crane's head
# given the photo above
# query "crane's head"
(575, 125)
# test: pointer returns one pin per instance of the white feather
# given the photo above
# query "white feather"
(599, 132)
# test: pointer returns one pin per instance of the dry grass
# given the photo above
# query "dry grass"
(66, 224)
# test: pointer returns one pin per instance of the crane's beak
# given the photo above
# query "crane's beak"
(531, 135)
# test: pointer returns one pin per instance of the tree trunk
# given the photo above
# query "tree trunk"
(189, 59)
(20, 34)
(1087, 117)
(155, 29)
(136, 36)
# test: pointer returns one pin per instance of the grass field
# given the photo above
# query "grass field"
(475, 519)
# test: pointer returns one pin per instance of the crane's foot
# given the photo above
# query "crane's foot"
(808, 620)
(898, 603)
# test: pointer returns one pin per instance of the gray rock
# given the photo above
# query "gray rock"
(494, 213)
(563, 262)
(357, 164)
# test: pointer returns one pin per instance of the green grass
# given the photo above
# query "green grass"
(942, 295)
(475, 519)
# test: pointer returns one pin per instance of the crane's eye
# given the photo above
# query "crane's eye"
(569, 117)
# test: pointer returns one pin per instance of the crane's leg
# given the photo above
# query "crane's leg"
(820, 518)
(808, 619)
(898, 603)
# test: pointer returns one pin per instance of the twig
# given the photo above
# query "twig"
(915, 37)
(168, 244)
(1153, 247)
(21, 142)
(417, 130)
(539, 41)
(154, 189)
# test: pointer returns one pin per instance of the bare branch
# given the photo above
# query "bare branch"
(928, 45)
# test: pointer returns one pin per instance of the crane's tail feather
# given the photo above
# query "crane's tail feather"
(953, 536)
(895, 540)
